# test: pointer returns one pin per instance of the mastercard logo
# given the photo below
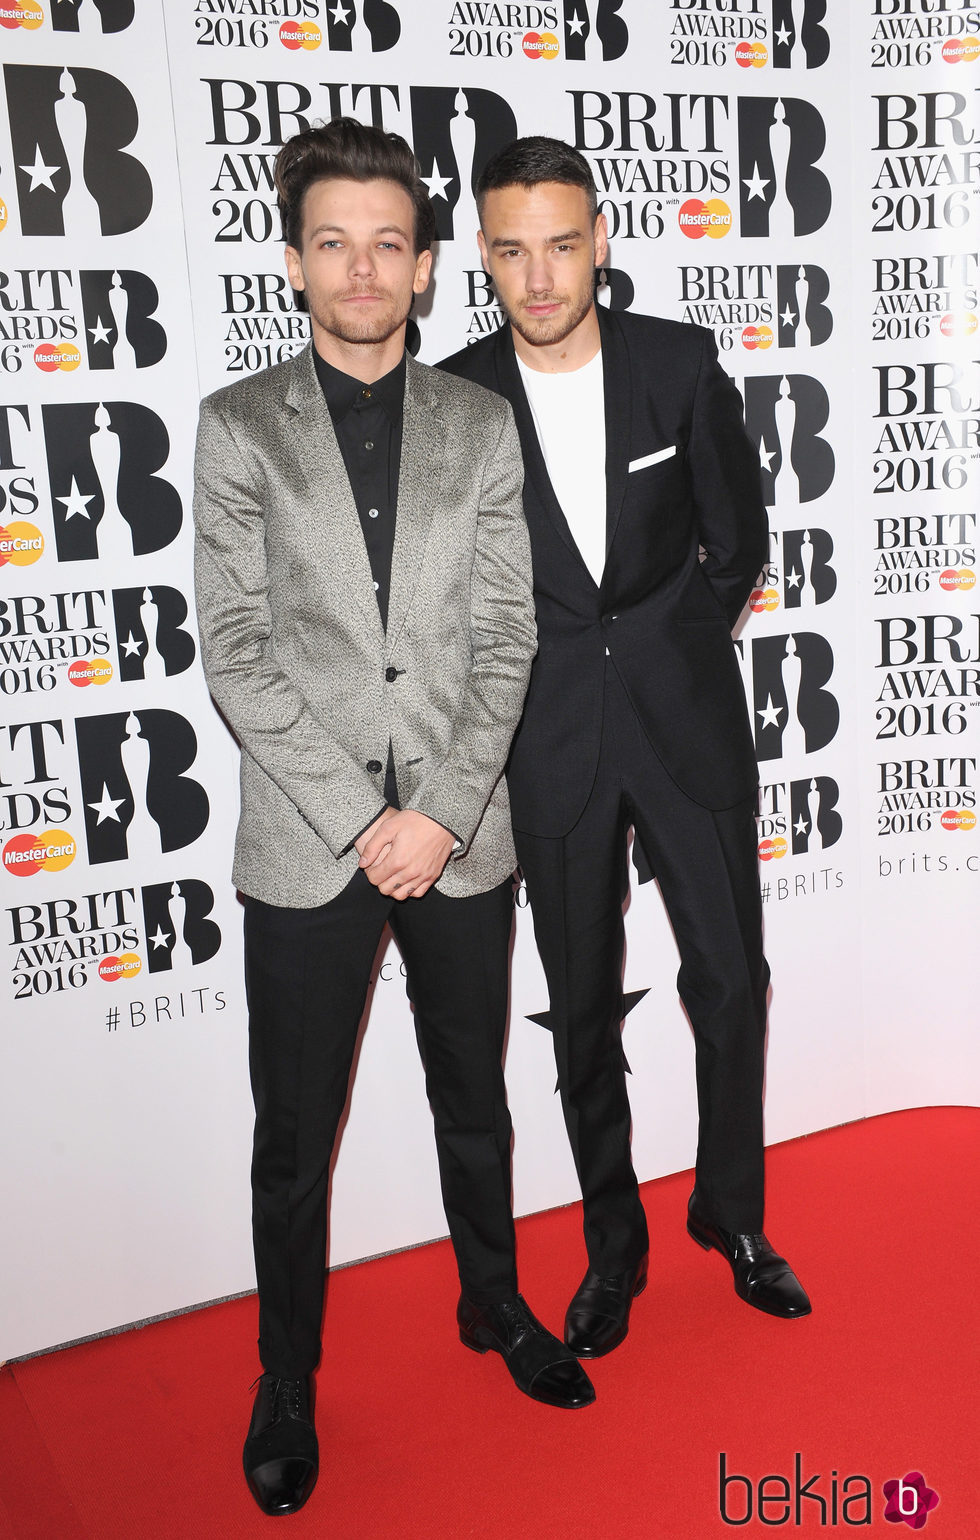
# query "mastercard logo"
(958, 818)
(112, 969)
(85, 671)
(540, 45)
(300, 34)
(757, 337)
(51, 851)
(50, 356)
(20, 543)
(21, 13)
(764, 599)
(961, 50)
(751, 56)
(957, 577)
(772, 850)
(713, 218)
(953, 325)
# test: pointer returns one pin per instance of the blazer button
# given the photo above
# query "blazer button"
(391, 674)
(374, 765)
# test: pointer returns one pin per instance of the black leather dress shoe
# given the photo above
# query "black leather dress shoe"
(762, 1277)
(598, 1317)
(281, 1458)
(539, 1364)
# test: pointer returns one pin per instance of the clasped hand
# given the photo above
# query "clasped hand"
(403, 853)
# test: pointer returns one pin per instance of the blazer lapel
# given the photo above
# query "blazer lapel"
(419, 477)
(328, 509)
(617, 391)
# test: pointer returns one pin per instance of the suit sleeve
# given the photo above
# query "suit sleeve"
(268, 714)
(503, 641)
(727, 481)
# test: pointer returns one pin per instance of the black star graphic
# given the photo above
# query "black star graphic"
(631, 999)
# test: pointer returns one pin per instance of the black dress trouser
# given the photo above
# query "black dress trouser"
(706, 865)
(307, 973)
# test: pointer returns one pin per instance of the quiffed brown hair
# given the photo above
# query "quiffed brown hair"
(357, 152)
(528, 162)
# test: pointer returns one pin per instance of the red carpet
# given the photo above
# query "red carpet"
(138, 1436)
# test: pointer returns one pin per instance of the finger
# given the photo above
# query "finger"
(376, 855)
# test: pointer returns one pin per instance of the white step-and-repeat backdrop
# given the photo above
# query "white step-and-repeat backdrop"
(803, 176)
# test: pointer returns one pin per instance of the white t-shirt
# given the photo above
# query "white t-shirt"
(569, 415)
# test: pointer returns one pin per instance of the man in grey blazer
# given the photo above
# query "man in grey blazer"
(367, 629)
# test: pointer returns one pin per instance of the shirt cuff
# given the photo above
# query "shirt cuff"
(459, 843)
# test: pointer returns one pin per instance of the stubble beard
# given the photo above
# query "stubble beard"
(548, 330)
(380, 323)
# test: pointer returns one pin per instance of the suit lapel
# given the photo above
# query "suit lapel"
(617, 392)
(329, 511)
(423, 446)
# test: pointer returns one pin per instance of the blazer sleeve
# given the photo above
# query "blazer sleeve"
(267, 712)
(503, 641)
(727, 480)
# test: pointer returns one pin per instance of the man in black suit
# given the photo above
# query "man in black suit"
(648, 530)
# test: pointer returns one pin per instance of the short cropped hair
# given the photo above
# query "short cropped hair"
(357, 152)
(535, 159)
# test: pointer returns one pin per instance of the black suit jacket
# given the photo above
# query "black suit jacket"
(664, 614)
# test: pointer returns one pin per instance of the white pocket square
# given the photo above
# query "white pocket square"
(645, 460)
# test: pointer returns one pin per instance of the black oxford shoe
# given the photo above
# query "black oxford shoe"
(762, 1277)
(539, 1364)
(598, 1317)
(280, 1458)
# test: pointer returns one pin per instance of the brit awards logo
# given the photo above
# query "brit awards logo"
(49, 314)
(757, 304)
(106, 496)
(92, 17)
(137, 796)
(798, 34)
(785, 416)
(798, 817)
(175, 919)
(793, 711)
(117, 310)
(595, 30)
(454, 134)
(782, 191)
(917, 32)
(150, 638)
(69, 130)
(798, 573)
(784, 33)
(348, 21)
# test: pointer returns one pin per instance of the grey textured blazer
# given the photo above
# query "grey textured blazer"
(291, 636)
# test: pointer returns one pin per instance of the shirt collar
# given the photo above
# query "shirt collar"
(343, 392)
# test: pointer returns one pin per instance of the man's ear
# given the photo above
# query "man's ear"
(294, 269)
(601, 240)
(423, 271)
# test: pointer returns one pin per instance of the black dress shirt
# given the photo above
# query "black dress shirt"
(367, 420)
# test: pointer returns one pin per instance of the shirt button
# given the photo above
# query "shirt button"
(372, 513)
(391, 674)
(365, 395)
(374, 765)
(369, 443)
(376, 587)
